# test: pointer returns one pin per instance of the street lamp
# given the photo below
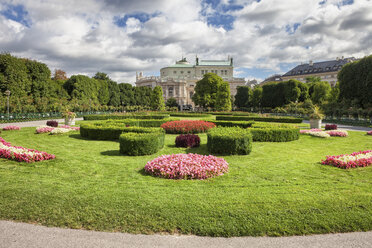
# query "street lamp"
(7, 93)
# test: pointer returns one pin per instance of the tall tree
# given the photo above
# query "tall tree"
(243, 96)
(126, 94)
(206, 90)
(223, 99)
(59, 75)
(321, 92)
(157, 100)
(257, 96)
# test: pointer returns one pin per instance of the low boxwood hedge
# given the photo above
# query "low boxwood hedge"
(229, 140)
(125, 116)
(242, 124)
(138, 144)
(111, 129)
(275, 134)
(259, 118)
(185, 114)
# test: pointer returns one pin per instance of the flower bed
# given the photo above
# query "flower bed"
(330, 127)
(187, 140)
(22, 154)
(338, 133)
(369, 132)
(56, 130)
(307, 131)
(52, 123)
(346, 161)
(187, 126)
(319, 134)
(44, 129)
(187, 166)
(8, 128)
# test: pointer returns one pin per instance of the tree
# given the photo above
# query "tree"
(321, 92)
(126, 94)
(257, 96)
(157, 100)
(223, 102)
(171, 102)
(82, 87)
(243, 97)
(59, 75)
(206, 90)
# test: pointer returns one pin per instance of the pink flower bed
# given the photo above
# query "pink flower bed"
(7, 128)
(72, 128)
(338, 133)
(187, 166)
(187, 126)
(369, 132)
(22, 154)
(346, 161)
(44, 129)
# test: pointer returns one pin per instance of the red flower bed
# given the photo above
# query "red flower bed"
(346, 161)
(187, 126)
(330, 127)
(187, 140)
(187, 166)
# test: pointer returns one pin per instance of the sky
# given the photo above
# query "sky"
(120, 37)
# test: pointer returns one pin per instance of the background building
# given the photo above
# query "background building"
(178, 80)
(326, 70)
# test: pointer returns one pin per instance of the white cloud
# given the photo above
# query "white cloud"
(81, 36)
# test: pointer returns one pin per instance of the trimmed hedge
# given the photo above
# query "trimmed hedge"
(242, 124)
(111, 129)
(229, 140)
(183, 114)
(138, 144)
(259, 118)
(275, 134)
(125, 116)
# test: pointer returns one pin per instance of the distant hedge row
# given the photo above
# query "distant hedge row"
(125, 116)
(259, 118)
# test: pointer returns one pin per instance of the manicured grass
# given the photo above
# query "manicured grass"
(279, 189)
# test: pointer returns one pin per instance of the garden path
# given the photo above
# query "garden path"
(34, 123)
(21, 235)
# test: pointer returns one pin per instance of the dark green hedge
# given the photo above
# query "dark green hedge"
(275, 134)
(242, 124)
(259, 118)
(111, 129)
(137, 144)
(185, 114)
(125, 116)
(229, 140)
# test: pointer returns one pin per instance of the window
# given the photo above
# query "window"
(202, 72)
(221, 72)
(191, 94)
(189, 72)
(181, 72)
(225, 72)
(174, 72)
(170, 91)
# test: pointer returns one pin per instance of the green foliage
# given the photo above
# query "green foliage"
(127, 94)
(229, 140)
(321, 92)
(183, 114)
(223, 100)
(142, 95)
(242, 124)
(206, 91)
(243, 97)
(82, 87)
(139, 144)
(259, 118)
(356, 82)
(125, 116)
(257, 97)
(171, 102)
(275, 134)
(157, 100)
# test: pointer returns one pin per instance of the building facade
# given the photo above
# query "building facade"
(326, 70)
(178, 80)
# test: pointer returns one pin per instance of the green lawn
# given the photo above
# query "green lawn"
(279, 189)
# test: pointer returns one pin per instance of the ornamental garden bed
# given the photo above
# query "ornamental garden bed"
(279, 189)
(259, 118)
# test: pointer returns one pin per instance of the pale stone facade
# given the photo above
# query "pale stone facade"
(178, 80)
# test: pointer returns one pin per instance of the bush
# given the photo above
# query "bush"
(183, 114)
(275, 134)
(187, 166)
(259, 118)
(187, 140)
(229, 140)
(52, 123)
(137, 144)
(330, 127)
(242, 124)
(187, 126)
(125, 116)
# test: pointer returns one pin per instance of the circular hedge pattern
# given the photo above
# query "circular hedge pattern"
(187, 166)
(187, 126)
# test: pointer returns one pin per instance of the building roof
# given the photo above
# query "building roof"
(319, 67)
(180, 66)
(273, 78)
(214, 63)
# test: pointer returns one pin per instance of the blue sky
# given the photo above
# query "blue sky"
(121, 37)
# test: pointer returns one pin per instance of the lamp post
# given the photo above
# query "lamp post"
(7, 93)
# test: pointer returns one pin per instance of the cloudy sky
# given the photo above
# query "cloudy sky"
(120, 37)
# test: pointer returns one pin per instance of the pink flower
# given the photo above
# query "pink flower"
(7, 128)
(346, 161)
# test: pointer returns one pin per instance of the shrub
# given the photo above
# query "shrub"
(275, 134)
(346, 161)
(242, 124)
(137, 144)
(187, 140)
(187, 126)
(126, 116)
(229, 140)
(330, 127)
(183, 114)
(52, 123)
(8, 128)
(187, 166)
(259, 118)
